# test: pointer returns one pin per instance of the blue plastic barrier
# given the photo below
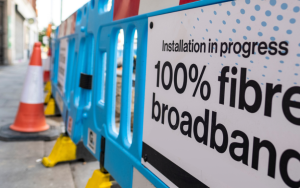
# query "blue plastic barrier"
(91, 48)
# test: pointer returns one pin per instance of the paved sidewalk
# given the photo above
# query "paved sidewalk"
(20, 164)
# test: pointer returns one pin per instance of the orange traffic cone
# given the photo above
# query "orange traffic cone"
(30, 117)
(47, 67)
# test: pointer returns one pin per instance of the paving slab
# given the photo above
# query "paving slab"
(27, 173)
(82, 172)
(21, 150)
(11, 95)
(12, 103)
(8, 112)
(2, 101)
(7, 120)
(48, 147)
(20, 162)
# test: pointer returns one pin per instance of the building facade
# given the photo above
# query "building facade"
(18, 30)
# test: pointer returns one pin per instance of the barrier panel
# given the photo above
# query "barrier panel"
(214, 95)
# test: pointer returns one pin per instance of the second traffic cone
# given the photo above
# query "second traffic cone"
(47, 63)
(30, 117)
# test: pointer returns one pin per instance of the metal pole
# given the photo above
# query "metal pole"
(61, 4)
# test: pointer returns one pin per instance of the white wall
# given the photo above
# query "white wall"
(27, 11)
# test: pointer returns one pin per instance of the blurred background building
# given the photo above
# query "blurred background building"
(21, 25)
(18, 30)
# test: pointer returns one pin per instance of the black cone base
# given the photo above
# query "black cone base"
(6, 134)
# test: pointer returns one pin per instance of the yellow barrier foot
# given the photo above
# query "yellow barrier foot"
(99, 180)
(50, 109)
(49, 92)
(47, 86)
(63, 150)
(47, 98)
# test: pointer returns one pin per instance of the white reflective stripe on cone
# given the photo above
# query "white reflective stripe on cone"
(33, 86)
(46, 63)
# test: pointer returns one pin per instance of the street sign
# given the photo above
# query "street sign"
(92, 140)
(222, 96)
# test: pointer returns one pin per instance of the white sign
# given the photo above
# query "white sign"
(92, 140)
(62, 65)
(222, 99)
